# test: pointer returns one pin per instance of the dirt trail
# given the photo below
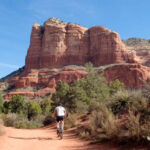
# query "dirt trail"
(44, 139)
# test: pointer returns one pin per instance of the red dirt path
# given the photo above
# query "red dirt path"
(44, 139)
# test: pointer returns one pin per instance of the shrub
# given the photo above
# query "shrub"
(75, 98)
(94, 105)
(18, 121)
(26, 124)
(71, 121)
(116, 86)
(7, 107)
(137, 131)
(34, 110)
(16, 105)
(137, 102)
(62, 89)
(119, 102)
(103, 124)
(9, 119)
(95, 86)
(46, 106)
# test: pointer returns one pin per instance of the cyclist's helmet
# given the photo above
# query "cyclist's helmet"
(59, 104)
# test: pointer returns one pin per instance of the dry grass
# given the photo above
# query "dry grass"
(1, 129)
(71, 121)
(103, 124)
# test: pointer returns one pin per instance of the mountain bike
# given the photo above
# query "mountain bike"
(60, 130)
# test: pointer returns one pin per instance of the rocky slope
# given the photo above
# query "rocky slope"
(141, 47)
(59, 50)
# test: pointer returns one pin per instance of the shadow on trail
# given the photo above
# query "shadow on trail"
(31, 138)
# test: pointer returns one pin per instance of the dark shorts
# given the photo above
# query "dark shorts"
(59, 118)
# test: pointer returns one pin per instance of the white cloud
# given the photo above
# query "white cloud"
(9, 66)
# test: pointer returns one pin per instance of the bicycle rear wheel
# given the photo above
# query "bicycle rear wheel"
(60, 130)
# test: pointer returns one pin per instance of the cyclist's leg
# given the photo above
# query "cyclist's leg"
(57, 119)
(62, 125)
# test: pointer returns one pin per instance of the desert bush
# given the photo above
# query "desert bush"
(137, 131)
(7, 107)
(103, 124)
(24, 123)
(9, 119)
(46, 106)
(95, 86)
(94, 105)
(34, 110)
(116, 86)
(17, 121)
(137, 102)
(119, 102)
(71, 121)
(16, 105)
(75, 98)
(62, 89)
(82, 107)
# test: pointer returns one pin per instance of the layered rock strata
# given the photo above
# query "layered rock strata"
(57, 44)
(41, 82)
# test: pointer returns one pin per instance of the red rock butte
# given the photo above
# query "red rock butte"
(57, 44)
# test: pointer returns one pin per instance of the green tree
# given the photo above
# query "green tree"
(94, 84)
(62, 89)
(7, 107)
(16, 105)
(34, 110)
(76, 97)
(115, 86)
(46, 106)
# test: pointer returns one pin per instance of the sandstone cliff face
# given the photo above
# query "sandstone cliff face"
(37, 83)
(132, 75)
(57, 44)
(107, 48)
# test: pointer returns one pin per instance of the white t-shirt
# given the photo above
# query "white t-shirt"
(60, 111)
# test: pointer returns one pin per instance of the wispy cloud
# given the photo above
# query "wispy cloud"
(9, 66)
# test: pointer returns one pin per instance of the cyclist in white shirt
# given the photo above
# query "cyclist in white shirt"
(60, 114)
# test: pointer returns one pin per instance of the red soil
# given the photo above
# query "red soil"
(45, 139)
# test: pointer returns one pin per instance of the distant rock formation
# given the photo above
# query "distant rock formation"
(132, 75)
(57, 44)
(141, 47)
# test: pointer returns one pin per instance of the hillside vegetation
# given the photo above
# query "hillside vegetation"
(136, 41)
(13, 74)
(114, 113)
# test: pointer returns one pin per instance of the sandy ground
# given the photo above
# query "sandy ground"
(44, 139)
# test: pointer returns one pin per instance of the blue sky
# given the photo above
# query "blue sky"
(130, 18)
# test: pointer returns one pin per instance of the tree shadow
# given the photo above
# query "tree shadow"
(31, 138)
